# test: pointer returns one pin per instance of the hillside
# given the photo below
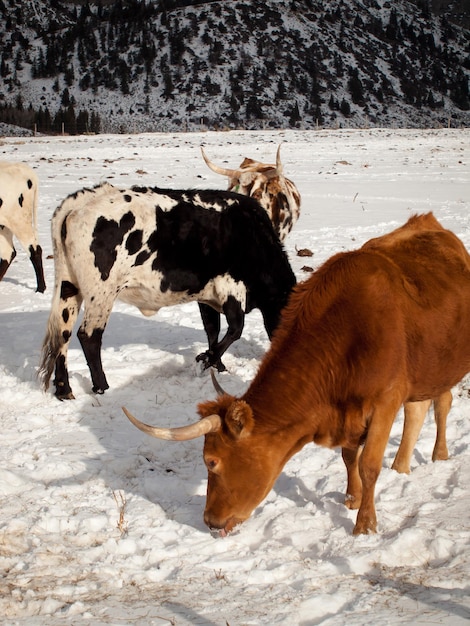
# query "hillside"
(159, 66)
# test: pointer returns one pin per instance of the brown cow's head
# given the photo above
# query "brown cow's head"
(242, 460)
(240, 464)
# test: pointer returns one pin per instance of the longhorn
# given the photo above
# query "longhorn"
(236, 173)
(206, 425)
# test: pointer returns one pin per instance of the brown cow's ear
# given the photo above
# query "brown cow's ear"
(219, 406)
(239, 419)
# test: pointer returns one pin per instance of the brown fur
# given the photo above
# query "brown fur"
(415, 413)
(371, 330)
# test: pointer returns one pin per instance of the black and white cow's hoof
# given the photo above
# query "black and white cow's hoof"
(63, 390)
(65, 396)
(100, 390)
(220, 366)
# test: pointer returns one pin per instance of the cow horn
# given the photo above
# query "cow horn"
(217, 386)
(219, 170)
(206, 425)
(279, 167)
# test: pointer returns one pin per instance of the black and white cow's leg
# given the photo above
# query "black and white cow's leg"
(63, 390)
(271, 318)
(90, 335)
(35, 255)
(211, 322)
(30, 244)
(91, 346)
(59, 332)
(235, 319)
(7, 250)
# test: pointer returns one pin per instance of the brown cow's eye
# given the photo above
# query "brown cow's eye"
(211, 464)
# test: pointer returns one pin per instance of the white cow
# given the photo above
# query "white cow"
(266, 183)
(18, 206)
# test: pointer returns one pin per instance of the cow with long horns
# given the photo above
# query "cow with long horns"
(266, 183)
(370, 330)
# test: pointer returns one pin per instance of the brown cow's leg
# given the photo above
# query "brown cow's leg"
(370, 461)
(354, 488)
(415, 413)
(441, 410)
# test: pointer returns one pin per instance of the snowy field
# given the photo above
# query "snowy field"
(100, 524)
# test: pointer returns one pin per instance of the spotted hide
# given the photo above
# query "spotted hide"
(18, 206)
(370, 330)
(266, 183)
(154, 248)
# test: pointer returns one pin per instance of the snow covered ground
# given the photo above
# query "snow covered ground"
(100, 524)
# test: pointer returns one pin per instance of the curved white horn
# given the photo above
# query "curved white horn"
(219, 170)
(275, 170)
(278, 160)
(183, 433)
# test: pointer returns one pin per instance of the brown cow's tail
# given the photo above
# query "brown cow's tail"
(65, 305)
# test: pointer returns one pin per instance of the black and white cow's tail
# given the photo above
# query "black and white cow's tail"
(50, 351)
(66, 301)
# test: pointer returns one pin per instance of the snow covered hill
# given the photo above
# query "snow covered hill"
(137, 65)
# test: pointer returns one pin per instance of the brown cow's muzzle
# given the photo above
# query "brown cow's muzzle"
(222, 529)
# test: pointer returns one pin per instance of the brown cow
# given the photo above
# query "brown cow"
(370, 330)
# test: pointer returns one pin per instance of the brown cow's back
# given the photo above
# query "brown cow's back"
(417, 280)
(436, 272)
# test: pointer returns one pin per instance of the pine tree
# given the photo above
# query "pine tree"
(65, 99)
(355, 87)
(4, 67)
(295, 116)
(345, 108)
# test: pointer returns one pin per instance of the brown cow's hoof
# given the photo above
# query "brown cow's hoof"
(401, 468)
(351, 502)
(365, 527)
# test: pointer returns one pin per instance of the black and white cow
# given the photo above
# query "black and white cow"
(154, 248)
(18, 206)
